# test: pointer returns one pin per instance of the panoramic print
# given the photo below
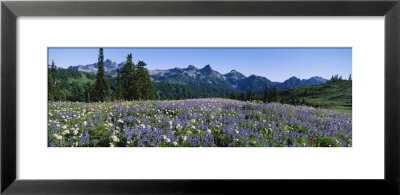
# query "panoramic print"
(199, 97)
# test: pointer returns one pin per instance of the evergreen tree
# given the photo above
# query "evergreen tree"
(129, 80)
(119, 86)
(274, 94)
(335, 78)
(303, 102)
(88, 93)
(305, 92)
(54, 74)
(266, 94)
(190, 96)
(242, 96)
(50, 90)
(75, 95)
(54, 91)
(51, 82)
(282, 100)
(102, 89)
(349, 77)
(144, 85)
(250, 94)
(233, 96)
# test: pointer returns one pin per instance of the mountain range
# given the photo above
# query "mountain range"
(206, 76)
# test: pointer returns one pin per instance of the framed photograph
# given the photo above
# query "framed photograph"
(199, 96)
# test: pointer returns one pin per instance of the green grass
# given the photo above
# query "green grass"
(82, 81)
(332, 96)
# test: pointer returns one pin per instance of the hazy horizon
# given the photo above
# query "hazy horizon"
(276, 64)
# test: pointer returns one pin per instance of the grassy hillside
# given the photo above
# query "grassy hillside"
(334, 96)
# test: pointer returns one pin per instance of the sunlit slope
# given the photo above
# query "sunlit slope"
(335, 96)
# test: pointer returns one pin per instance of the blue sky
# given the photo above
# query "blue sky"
(277, 64)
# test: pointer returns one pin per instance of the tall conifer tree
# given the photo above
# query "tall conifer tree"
(274, 94)
(119, 87)
(54, 92)
(102, 88)
(266, 94)
(128, 79)
(144, 84)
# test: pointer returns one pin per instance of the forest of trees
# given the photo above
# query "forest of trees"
(132, 83)
(169, 91)
(54, 92)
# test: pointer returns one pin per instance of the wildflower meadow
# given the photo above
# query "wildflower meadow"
(195, 123)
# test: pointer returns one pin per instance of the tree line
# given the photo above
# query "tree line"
(337, 78)
(132, 83)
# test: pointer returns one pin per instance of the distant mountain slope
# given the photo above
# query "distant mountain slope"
(256, 83)
(190, 76)
(110, 67)
(314, 81)
(296, 82)
(207, 77)
(233, 78)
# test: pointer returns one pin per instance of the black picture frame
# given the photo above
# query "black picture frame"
(10, 10)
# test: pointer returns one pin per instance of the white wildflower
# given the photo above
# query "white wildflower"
(65, 132)
(175, 143)
(167, 140)
(208, 131)
(115, 138)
